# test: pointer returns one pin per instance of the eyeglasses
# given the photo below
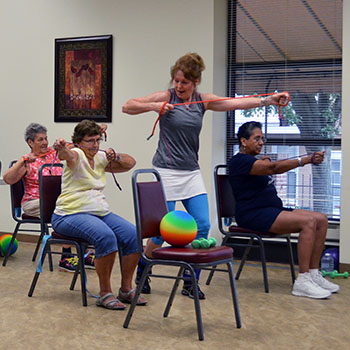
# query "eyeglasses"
(259, 139)
(93, 141)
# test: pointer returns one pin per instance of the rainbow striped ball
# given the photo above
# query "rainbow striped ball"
(178, 228)
(5, 243)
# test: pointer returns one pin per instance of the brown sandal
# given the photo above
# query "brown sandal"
(109, 301)
(127, 297)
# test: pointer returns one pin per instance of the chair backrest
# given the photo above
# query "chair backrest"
(225, 200)
(49, 190)
(149, 203)
(16, 192)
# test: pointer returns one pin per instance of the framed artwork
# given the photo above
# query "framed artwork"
(83, 79)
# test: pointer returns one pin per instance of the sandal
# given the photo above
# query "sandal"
(127, 297)
(109, 301)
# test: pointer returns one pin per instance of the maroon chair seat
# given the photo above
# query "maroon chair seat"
(28, 217)
(238, 229)
(56, 235)
(150, 206)
(190, 255)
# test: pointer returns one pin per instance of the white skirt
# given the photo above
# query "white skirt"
(181, 184)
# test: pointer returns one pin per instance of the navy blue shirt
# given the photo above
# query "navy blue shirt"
(251, 191)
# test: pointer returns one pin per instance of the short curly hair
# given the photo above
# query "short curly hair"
(32, 130)
(85, 128)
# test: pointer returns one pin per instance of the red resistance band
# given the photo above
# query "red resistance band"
(217, 100)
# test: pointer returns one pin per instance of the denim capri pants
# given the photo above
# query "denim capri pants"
(104, 232)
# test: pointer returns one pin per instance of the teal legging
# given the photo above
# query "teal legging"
(198, 207)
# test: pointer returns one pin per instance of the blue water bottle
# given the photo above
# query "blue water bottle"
(327, 263)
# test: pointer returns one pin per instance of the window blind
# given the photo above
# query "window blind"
(294, 46)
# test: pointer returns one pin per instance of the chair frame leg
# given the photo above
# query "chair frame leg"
(291, 259)
(197, 305)
(11, 244)
(244, 257)
(173, 291)
(234, 295)
(144, 275)
(37, 274)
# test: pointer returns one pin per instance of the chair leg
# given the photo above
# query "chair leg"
(81, 251)
(197, 304)
(11, 244)
(137, 294)
(173, 292)
(244, 257)
(75, 277)
(263, 264)
(234, 295)
(211, 274)
(44, 231)
(291, 260)
(37, 274)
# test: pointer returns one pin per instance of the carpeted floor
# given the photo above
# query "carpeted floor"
(54, 317)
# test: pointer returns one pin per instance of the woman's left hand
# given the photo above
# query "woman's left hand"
(279, 99)
(317, 157)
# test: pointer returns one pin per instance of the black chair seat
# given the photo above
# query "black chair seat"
(193, 256)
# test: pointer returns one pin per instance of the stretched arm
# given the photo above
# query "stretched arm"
(66, 153)
(264, 166)
(121, 162)
(244, 103)
(153, 102)
(18, 170)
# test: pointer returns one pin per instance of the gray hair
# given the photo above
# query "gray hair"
(33, 129)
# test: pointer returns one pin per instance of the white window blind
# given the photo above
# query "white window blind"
(294, 46)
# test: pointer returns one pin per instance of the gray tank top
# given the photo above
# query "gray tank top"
(178, 143)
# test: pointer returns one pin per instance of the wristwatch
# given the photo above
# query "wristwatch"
(300, 162)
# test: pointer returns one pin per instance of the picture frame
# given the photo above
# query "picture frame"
(83, 79)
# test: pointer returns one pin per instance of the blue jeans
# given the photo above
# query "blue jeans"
(198, 207)
(104, 232)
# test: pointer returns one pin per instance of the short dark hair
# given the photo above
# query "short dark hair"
(245, 130)
(85, 128)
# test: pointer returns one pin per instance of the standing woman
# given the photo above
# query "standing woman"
(176, 157)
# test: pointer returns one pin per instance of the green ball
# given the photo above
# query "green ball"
(5, 243)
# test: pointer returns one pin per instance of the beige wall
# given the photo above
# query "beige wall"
(148, 36)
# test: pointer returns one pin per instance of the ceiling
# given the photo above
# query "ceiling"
(299, 41)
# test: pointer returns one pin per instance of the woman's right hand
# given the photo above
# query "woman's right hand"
(166, 109)
(59, 144)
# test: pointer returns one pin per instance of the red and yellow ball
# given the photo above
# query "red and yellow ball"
(178, 228)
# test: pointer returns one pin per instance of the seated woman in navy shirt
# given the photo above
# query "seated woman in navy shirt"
(259, 208)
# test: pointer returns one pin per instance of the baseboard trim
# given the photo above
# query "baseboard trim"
(22, 237)
(344, 267)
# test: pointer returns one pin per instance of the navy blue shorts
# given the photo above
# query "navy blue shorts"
(260, 219)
